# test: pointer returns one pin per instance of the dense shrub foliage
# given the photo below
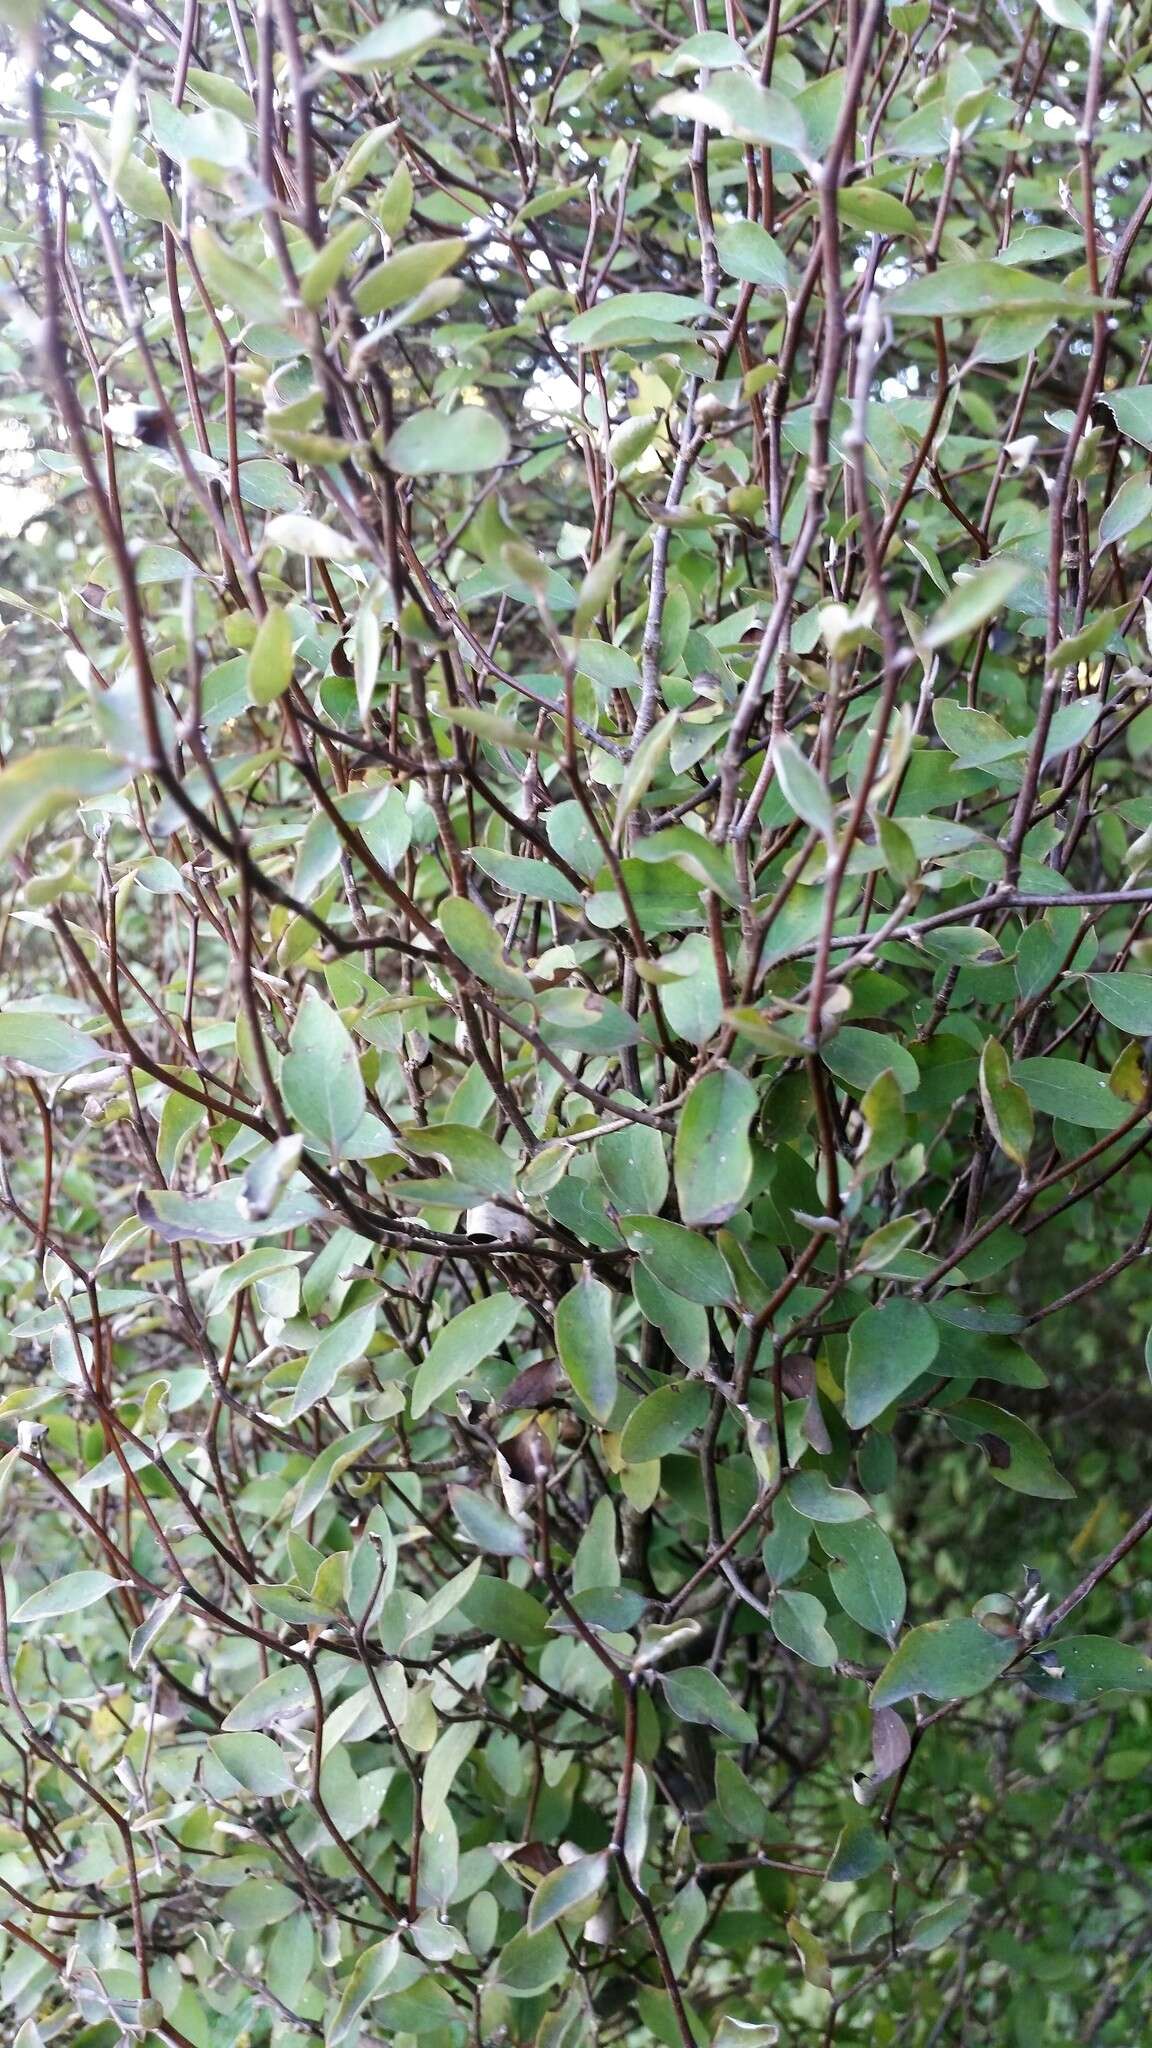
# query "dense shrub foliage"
(574, 991)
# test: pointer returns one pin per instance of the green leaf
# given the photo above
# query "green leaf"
(320, 1076)
(327, 267)
(1016, 1457)
(287, 1605)
(363, 156)
(313, 538)
(141, 190)
(970, 290)
(448, 444)
(631, 315)
(44, 1042)
(442, 1605)
(712, 1156)
(367, 642)
(499, 1609)
(403, 275)
(859, 1057)
(1130, 508)
(747, 251)
(798, 1622)
(224, 1215)
(283, 1694)
(460, 1347)
(569, 1890)
(578, 1019)
(682, 1925)
(257, 1903)
(683, 1324)
(812, 1953)
(1132, 411)
(976, 739)
(387, 831)
(886, 1126)
(367, 1978)
(813, 1496)
(582, 1320)
(220, 91)
(66, 1596)
(1065, 1089)
(974, 600)
(638, 1824)
(1081, 1668)
(860, 1852)
(539, 880)
(888, 1349)
(744, 1811)
(898, 850)
(879, 212)
(325, 1470)
(745, 2034)
(253, 293)
(1073, 722)
(1077, 718)
(214, 139)
(663, 1420)
(473, 1158)
(943, 1660)
(532, 1963)
(1123, 998)
(399, 40)
(708, 51)
(486, 1525)
(1006, 1106)
(36, 786)
(256, 1762)
(865, 1575)
(447, 1758)
(1068, 14)
(338, 1347)
(679, 1259)
(803, 787)
(601, 579)
(881, 1247)
(736, 104)
(696, 1694)
(154, 1623)
(633, 1168)
(785, 1548)
(475, 941)
(123, 122)
(931, 1930)
(642, 769)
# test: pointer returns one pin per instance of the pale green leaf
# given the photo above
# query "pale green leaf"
(461, 1346)
(713, 1155)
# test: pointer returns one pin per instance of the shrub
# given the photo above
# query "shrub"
(573, 1004)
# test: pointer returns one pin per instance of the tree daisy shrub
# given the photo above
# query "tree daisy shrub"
(575, 986)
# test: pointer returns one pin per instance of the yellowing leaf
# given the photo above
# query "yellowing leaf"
(270, 657)
(1006, 1106)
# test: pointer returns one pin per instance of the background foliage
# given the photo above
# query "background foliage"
(573, 1000)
